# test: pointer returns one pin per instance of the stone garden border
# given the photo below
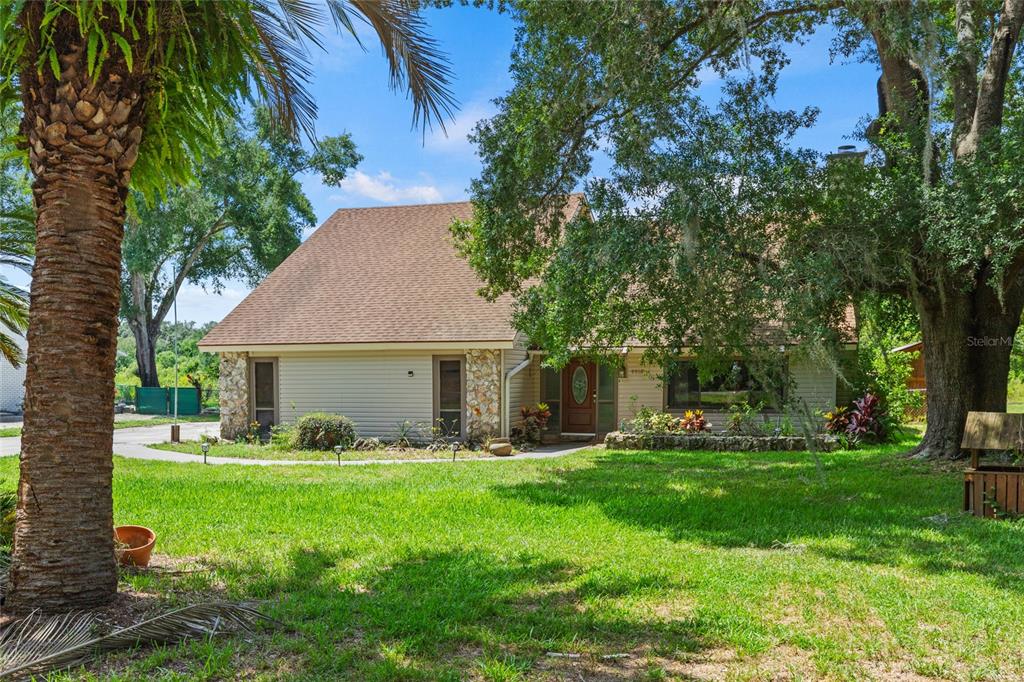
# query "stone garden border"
(621, 440)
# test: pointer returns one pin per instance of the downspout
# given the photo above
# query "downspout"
(507, 395)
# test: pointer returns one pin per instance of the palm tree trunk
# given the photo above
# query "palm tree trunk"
(83, 138)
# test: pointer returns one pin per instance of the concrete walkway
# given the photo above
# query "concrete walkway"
(133, 443)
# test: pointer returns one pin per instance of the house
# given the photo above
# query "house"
(12, 380)
(376, 317)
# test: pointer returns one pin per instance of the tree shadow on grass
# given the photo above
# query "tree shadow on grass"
(874, 508)
(439, 615)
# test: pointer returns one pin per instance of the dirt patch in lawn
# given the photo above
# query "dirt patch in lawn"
(780, 664)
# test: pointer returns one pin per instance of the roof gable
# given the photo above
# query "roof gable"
(371, 275)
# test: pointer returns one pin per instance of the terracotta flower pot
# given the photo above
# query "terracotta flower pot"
(133, 545)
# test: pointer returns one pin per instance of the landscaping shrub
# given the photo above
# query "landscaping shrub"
(281, 436)
(406, 432)
(648, 420)
(693, 421)
(746, 420)
(867, 422)
(535, 421)
(837, 420)
(655, 422)
(321, 431)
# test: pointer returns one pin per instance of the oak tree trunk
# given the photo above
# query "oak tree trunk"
(144, 329)
(967, 339)
(945, 326)
(83, 137)
(145, 350)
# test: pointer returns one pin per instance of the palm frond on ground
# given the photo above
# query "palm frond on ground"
(37, 645)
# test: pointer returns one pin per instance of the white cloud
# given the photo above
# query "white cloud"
(341, 53)
(201, 306)
(456, 141)
(383, 187)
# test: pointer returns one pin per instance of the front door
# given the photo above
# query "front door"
(579, 385)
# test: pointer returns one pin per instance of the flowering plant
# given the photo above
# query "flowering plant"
(693, 421)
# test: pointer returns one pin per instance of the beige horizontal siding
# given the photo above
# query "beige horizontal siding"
(641, 387)
(814, 384)
(375, 391)
(524, 387)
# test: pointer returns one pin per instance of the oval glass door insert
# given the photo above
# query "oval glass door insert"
(580, 384)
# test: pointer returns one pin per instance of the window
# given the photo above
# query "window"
(551, 393)
(264, 394)
(449, 398)
(606, 377)
(683, 387)
(734, 385)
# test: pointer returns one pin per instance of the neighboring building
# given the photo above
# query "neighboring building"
(12, 381)
(916, 381)
(376, 317)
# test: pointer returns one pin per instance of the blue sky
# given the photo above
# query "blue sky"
(399, 166)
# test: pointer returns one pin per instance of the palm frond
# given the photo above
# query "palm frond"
(37, 645)
(283, 65)
(415, 59)
(10, 351)
(13, 318)
(17, 237)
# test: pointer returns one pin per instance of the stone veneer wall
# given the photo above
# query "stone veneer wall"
(619, 440)
(234, 394)
(483, 393)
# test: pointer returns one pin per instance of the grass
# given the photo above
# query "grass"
(269, 451)
(132, 423)
(850, 566)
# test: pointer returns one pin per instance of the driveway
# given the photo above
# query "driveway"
(132, 443)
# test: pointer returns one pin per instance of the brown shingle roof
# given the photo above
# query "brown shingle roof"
(372, 275)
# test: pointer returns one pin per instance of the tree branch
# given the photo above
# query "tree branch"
(988, 113)
(186, 267)
(724, 45)
(964, 71)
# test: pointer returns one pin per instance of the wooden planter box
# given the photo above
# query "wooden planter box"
(1003, 485)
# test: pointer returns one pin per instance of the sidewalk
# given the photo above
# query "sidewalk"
(133, 443)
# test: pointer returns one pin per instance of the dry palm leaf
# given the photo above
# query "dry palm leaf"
(37, 644)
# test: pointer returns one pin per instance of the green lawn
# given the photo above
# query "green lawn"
(247, 451)
(132, 423)
(695, 565)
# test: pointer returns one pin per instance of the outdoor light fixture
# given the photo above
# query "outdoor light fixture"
(455, 448)
(205, 447)
(337, 450)
(411, 373)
